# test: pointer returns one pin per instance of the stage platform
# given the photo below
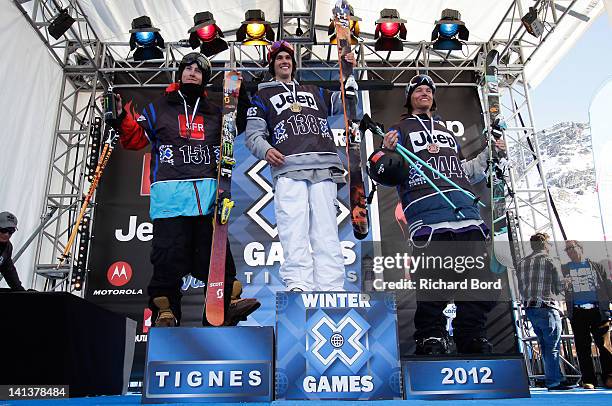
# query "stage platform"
(575, 397)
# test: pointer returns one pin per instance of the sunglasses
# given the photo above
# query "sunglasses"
(8, 230)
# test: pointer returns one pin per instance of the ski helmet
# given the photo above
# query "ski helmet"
(415, 82)
(275, 49)
(200, 60)
(387, 167)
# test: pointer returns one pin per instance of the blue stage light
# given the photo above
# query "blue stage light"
(448, 30)
(145, 38)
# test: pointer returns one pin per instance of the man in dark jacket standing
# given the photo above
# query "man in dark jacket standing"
(8, 226)
(184, 130)
(438, 230)
(588, 307)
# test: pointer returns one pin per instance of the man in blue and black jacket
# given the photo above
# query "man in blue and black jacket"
(184, 130)
(437, 229)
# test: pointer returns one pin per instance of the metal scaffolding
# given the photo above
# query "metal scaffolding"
(89, 66)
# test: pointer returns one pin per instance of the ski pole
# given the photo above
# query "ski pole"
(368, 123)
(104, 157)
(411, 162)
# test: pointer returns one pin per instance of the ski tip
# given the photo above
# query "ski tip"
(215, 319)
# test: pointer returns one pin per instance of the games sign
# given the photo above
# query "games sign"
(337, 345)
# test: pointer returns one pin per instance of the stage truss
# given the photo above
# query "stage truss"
(89, 65)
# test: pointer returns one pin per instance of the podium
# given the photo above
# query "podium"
(466, 377)
(337, 345)
(209, 364)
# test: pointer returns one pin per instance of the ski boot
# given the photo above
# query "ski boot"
(165, 317)
(433, 346)
(239, 309)
(476, 345)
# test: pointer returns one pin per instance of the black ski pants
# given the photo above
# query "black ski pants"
(587, 322)
(181, 246)
(472, 305)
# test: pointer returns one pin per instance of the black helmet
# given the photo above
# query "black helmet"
(387, 167)
(200, 60)
(417, 81)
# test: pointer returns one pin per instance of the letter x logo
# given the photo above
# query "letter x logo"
(341, 341)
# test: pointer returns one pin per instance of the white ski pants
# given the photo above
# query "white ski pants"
(306, 218)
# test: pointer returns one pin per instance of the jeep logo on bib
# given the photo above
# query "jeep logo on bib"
(282, 101)
(420, 140)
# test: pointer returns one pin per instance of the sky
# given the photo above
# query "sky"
(567, 91)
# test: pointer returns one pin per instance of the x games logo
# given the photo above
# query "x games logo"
(344, 341)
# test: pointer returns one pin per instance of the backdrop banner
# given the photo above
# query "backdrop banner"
(119, 263)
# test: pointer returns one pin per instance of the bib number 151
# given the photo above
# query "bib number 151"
(461, 376)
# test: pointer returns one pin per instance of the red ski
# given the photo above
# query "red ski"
(357, 196)
(223, 203)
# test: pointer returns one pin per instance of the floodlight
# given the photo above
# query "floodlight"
(255, 30)
(448, 28)
(390, 28)
(146, 40)
(206, 34)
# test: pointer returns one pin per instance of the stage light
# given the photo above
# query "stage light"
(448, 29)
(255, 30)
(390, 28)
(146, 40)
(532, 23)
(206, 34)
(60, 24)
(353, 26)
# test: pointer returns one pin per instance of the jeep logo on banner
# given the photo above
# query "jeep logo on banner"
(337, 346)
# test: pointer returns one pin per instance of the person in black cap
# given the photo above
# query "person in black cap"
(438, 230)
(184, 130)
(8, 226)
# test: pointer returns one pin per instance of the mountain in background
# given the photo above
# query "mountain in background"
(568, 161)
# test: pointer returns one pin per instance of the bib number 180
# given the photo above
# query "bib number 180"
(461, 376)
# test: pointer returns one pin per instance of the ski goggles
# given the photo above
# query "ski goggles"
(197, 58)
(8, 230)
(281, 44)
(419, 80)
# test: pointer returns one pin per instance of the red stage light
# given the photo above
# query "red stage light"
(207, 33)
(389, 29)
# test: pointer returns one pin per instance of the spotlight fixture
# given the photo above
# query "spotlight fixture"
(448, 29)
(206, 34)
(255, 30)
(532, 23)
(390, 28)
(60, 24)
(146, 40)
(353, 26)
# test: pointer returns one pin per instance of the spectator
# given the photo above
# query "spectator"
(588, 308)
(8, 226)
(540, 283)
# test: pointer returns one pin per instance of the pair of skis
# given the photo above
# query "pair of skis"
(357, 195)
(215, 287)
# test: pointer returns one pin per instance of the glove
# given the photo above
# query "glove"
(350, 85)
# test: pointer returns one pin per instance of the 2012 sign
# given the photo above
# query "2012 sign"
(461, 376)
